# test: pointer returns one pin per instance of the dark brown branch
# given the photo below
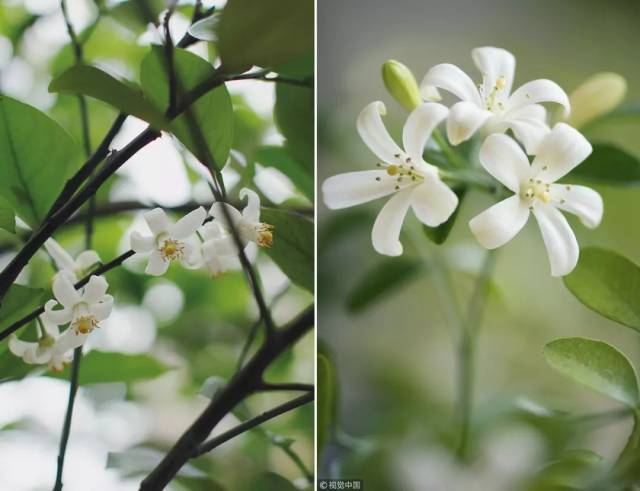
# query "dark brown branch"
(213, 443)
(267, 387)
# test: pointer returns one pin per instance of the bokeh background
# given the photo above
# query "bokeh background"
(186, 329)
(395, 356)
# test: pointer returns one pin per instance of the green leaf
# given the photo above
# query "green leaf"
(327, 399)
(439, 234)
(609, 164)
(279, 158)
(123, 95)
(293, 245)
(269, 481)
(136, 15)
(625, 113)
(7, 217)
(18, 302)
(212, 113)
(99, 367)
(595, 364)
(266, 33)
(139, 461)
(382, 280)
(573, 470)
(294, 113)
(607, 283)
(37, 156)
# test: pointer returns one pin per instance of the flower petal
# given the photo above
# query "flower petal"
(60, 316)
(38, 356)
(559, 239)
(581, 201)
(494, 63)
(141, 243)
(217, 212)
(95, 289)
(375, 135)
(354, 188)
(61, 257)
(450, 78)
(499, 224)
(65, 292)
(503, 158)
(251, 212)
(433, 202)
(386, 229)
(211, 230)
(50, 328)
(188, 224)
(68, 341)
(156, 266)
(19, 347)
(87, 259)
(419, 125)
(538, 91)
(562, 149)
(530, 132)
(101, 310)
(157, 221)
(465, 118)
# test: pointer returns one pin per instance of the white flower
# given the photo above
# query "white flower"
(491, 105)
(167, 242)
(75, 268)
(247, 223)
(52, 349)
(535, 190)
(84, 308)
(217, 252)
(403, 173)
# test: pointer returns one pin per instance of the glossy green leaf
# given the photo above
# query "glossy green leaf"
(293, 245)
(7, 217)
(279, 158)
(294, 114)
(212, 113)
(625, 113)
(269, 481)
(18, 302)
(573, 470)
(100, 367)
(607, 283)
(595, 364)
(439, 234)
(125, 96)
(608, 164)
(33, 170)
(327, 400)
(383, 279)
(136, 15)
(266, 33)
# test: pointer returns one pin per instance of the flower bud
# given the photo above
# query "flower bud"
(598, 95)
(401, 84)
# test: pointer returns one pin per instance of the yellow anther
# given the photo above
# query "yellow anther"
(392, 170)
(172, 249)
(84, 324)
(265, 235)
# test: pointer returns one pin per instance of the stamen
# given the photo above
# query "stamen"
(172, 249)
(392, 170)
(84, 324)
(265, 235)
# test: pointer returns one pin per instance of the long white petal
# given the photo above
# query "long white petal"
(562, 149)
(530, 132)
(464, 120)
(559, 239)
(61, 257)
(50, 328)
(251, 212)
(433, 202)
(19, 347)
(95, 289)
(59, 317)
(188, 224)
(157, 221)
(69, 341)
(375, 135)
(504, 159)
(86, 259)
(530, 111)
(354, 188)
(156, 266)
(65, 292)
(38, 356)
(217, 212)
(419, 126)
(141, 243)
(582, 201)
(450, 78)
(212, 230)
(499, 224)
(386, 230)
(101, 310)
(494, 63)
(538, 91)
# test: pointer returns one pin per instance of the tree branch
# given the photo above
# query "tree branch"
(293, 386)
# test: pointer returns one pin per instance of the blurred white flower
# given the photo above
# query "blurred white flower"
(74, 268)
(536, 191)
(83, 308)
(598, 95)
(491, 105)
(167, 242)
(404, 173)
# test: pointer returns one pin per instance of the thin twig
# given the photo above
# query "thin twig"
(168, 52)
(293, 386)
(213, 443)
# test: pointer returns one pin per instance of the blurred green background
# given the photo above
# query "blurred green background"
(395, 356)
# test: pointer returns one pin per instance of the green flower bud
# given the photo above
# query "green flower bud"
(598, 95)
(401, 84)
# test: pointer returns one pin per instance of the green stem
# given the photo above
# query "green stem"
(454, 158)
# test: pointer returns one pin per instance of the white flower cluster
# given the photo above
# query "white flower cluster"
(488, 109)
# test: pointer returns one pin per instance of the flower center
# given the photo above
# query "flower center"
(493, 103)
(264, 233)
(172, 249)
(536, 189)
(84, 324)
(404, 171)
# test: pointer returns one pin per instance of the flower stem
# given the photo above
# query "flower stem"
(466, 351)
(454, 158)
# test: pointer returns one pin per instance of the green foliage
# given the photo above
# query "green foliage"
(293, 245)
(125, 96)
(327, 399)
(7, 217)
(572, 471)
(609, 164)
(265, 33)
(269, 481)
(294, 114)
(383, 279)
(595, 364)
(279, 158)
(18, 302)
(607, 283)
(212, 113)
(33, 170)
(136, 15)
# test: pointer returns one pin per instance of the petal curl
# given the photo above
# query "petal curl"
(464, 120)
(386, 229)
(95, 289)
(217, 212)
(101, 310)
(559, 239)
(499, 224)
(87, 259)
(157, 221)
(419, 126)
(494, 63)
(581, 201)
(450, 78)
(251, 212)
(61, 258)
(65, 292)
(375, 134)
(60, 316)
(538, 91)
